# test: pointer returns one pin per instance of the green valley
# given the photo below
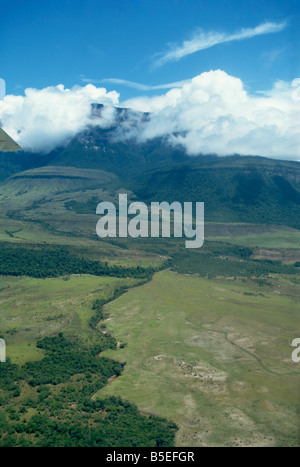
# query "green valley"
(185, 347)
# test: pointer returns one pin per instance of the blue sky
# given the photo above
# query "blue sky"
(217, 76)
(45, 43)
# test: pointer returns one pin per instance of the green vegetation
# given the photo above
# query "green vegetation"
(214, 356)
(223, 259)
(32, 309)
(206, 342)
(234, 189)
(55, 262)
(48, 403)
(278, 240)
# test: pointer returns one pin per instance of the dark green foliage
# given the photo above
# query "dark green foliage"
(64, 413)
(9, 375)
(12, 162)
(287, 193)
(226, 260)
(234, 189)
(98, 306)
(56, 262)
(248, 187)
(120, 425)
(72, 418)
(64, 359)
(88, 207)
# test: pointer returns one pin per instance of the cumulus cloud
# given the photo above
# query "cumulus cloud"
(205, 40)
(213, 113)
(44, 119)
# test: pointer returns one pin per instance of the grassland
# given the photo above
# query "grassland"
(281, 239)
(214, 356)
(32, 309)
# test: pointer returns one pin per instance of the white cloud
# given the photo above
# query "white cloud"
(204, 40)
(211, 113)
(214, 114)
(44, 119)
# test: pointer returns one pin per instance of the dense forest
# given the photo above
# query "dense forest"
(58, 261)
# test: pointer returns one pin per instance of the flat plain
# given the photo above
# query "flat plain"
(214, 356)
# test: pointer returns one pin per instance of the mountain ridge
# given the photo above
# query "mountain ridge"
(234, 188)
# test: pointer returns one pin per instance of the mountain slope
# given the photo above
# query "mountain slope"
(98, 149)
(28, 187)
(233, 188)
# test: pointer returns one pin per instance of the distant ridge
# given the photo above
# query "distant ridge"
(248, 189)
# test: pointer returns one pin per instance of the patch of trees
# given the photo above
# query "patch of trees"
(100, 315)
(57, 390)
(212, 264)
(56, 262)
(63, 413)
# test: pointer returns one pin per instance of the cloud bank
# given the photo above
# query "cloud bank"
(211, 113)
(44, 119)
(205, 40)
(214, 114)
